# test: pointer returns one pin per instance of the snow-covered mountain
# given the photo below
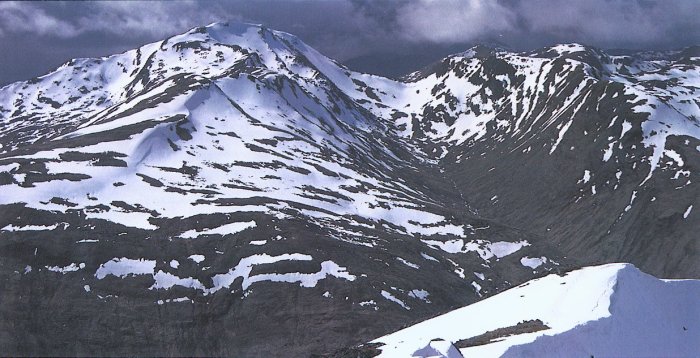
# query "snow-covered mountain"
(612, 310)
(231, 191)
(595, 152)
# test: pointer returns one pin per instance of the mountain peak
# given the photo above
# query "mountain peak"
(478, 51)
(241, 33)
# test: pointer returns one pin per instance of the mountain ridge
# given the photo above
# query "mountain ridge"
(200, 175)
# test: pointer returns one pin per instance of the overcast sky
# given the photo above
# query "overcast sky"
(384, 37)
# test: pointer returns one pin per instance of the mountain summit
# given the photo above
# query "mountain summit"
(231, 191)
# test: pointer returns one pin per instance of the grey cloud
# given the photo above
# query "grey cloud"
(153, 18)
(615, 22)
(148, 18)
(27, 18)
(454, 20)
(387, 37)
(604, 23)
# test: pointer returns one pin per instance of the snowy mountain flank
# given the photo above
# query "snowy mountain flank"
(232, 192)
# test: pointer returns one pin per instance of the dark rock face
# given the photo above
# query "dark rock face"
(231, 192)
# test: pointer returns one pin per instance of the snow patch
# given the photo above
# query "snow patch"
(485, 249)
(687, 212)
(122, 267)
(675, 156)
(608, 152)
(29, 228)
(419, 294)
(165, 280)
(65, 269)
(477, 288)
(245, 266)
(228, 229)
(586, 176)
(408, 263)
(428, 257)
(533, 262)
(391, 298)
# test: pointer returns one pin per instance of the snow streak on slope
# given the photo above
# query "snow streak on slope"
(609, 310)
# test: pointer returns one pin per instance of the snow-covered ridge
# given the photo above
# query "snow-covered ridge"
(609, 310)
(209, 75)
(494, 95)
(240, 136)
(469, 95)
(88, 91)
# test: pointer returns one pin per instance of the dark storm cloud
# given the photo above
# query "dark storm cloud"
(387, 37)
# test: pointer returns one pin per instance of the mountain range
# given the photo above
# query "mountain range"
(231, 191)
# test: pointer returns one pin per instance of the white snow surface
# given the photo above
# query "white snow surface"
(438, 349)
(586, 176)
(245, 266)
(602, 311)
(226, 229)
(687, 212)
(122, 267)
(65, 269)
(393, 298)
(533, 262)
(29, 228)
(485, 249)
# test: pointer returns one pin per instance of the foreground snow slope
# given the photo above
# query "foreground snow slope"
(609, 310)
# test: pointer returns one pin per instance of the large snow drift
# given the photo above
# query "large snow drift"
(602, 311)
